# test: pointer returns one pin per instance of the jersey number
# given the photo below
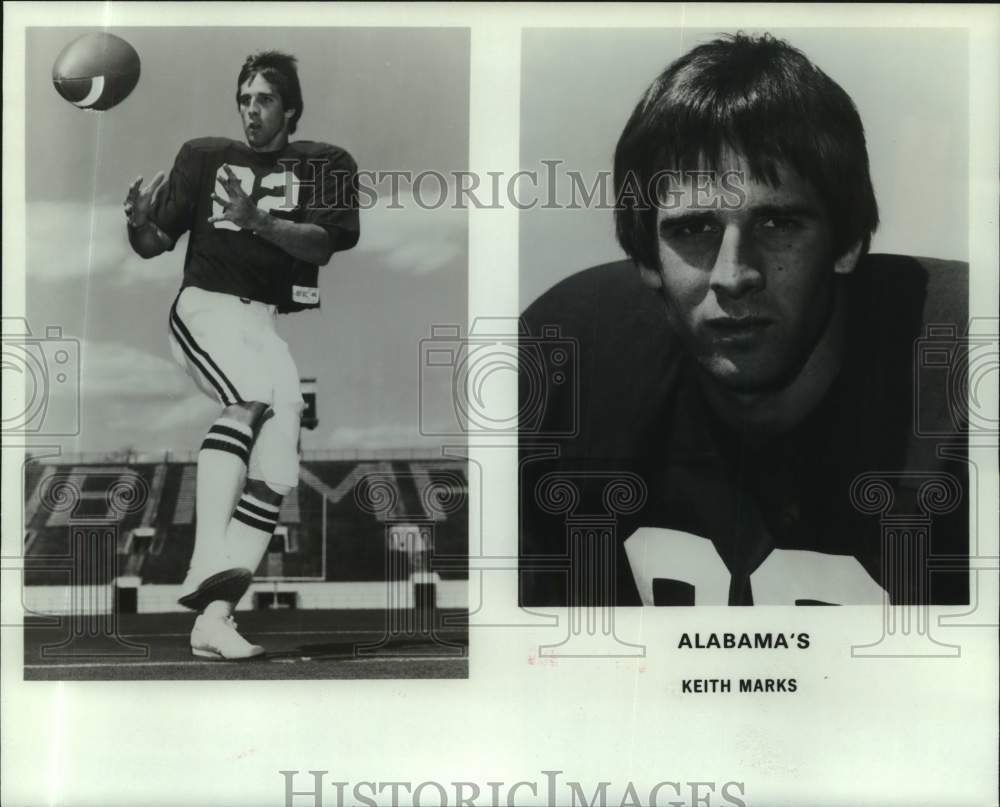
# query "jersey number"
(686, 562)
(275, 191)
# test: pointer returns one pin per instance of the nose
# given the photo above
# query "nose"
(735, 272)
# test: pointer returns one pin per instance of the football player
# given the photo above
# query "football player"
(741, 407)
(262, 216)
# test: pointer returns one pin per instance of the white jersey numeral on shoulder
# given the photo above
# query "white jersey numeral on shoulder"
(277, 191)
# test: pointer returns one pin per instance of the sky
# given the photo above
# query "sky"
(394, 98)
(910, 87)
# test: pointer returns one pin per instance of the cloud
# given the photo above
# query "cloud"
(412, 238)
(68, 239)
(76, 239)
(194, 409)
(93, 371)
(126, 396)
(121, 371)
(152, 424)
(369, 437)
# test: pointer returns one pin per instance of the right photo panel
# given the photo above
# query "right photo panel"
(745, 351)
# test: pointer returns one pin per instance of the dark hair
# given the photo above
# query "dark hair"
(280, 70)
(762, 99)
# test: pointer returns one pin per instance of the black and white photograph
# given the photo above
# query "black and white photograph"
(500, 405)
(749, 331)
(233, 455)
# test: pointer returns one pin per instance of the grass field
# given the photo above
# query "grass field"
(300, 644)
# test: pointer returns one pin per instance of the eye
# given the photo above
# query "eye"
(779, 225)
(691, 229)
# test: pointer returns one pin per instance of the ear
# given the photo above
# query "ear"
(651, 277)
(845, 264)
(288, 115)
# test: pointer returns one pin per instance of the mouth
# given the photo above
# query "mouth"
(738, 329)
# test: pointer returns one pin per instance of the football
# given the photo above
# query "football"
(96, 71)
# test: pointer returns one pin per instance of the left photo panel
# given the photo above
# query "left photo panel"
(240, 254)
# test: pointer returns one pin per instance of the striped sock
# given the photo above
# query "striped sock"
(222, 466)
(229, 436)
(249, 531)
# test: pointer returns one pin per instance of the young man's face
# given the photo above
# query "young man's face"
(265, 120)
(747, 275)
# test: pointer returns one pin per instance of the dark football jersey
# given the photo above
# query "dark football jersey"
(633, 491)
(306, 182)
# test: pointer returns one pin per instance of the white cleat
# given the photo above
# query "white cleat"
(216, 638)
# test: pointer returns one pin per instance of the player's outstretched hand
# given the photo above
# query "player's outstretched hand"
(239, 208)
(139, 200)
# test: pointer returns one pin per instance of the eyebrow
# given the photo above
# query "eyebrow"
(805, 211)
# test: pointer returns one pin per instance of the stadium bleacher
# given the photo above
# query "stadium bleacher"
(348, 521)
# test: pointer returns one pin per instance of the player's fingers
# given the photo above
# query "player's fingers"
(232, 181)
(220, 200)
(213, 219)
(225, 185)
(156, 186)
